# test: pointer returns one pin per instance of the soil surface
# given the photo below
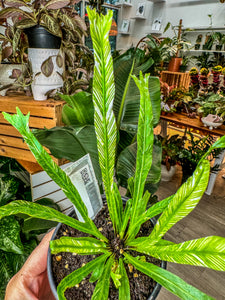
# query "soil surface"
(64, 263)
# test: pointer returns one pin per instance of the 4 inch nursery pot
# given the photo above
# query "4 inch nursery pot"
(52, 283)
(39, 37)
(174, 64)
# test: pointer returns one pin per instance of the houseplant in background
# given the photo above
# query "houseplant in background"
(18, 235)
(174, 45)
(49, 25)
(171, 145)
(13, 57)
(119, 254)
(195, 147)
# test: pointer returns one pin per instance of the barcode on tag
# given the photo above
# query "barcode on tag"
(83, 177)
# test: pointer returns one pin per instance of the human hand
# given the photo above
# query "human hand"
(31, 282)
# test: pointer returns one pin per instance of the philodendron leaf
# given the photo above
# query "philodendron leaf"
(78, 275)
(206, 252)
(103, 96)
(168, 280)
(20, 122)
(183, 202)
(43, 212)
(10, 235)
(101, 290)
(82, 245)
(124, 288)
(47, 67)
(145, 138)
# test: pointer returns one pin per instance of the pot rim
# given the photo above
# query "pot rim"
(152, 296)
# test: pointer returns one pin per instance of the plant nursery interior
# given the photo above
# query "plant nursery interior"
(53, 60)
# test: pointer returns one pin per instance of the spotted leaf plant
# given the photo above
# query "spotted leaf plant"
(110, 263)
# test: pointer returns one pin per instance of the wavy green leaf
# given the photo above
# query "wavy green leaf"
(20, 122)
(117, 207)
(168, 280)
(183, 202)
(153, 211)
(78, 275)
(124, 289)
(82, 245)
(43, 212)
(145, 138)
(206, 252)
(101, 290)
(103, 96)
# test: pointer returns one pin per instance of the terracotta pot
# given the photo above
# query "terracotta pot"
(174, 64)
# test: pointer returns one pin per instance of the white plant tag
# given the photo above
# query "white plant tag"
(83, 177)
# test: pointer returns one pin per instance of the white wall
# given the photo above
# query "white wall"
(193, 12)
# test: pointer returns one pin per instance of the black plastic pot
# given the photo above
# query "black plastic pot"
(153, 295)
(39, 37)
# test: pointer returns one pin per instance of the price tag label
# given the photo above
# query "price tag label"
(83, 177)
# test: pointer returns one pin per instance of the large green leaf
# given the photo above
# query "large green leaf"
(101, 290)
(145, 138)
(10, 235)
(103, 96)
(79, 109)
(46, 213)
(124, 289)
(127, 98)
(206, 252)
(78, 275)
(71, 143)
(183, 202)
(82, 245)
(20, 122)
(36, 225)
(168, 280)
(126, 164)
(132, 104)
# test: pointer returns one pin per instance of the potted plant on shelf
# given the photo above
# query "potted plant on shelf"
(198, 42)
(50, 25)
(13, 57)
(170, 147)
(195, 147)
(123, 255)
(174, 45)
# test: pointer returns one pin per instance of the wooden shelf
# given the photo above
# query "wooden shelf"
(46, 113)
(139, 17)
(157, 1)
(212, 51)
(124, 33)
(124, 4)
(203, 28)
(184, 120)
